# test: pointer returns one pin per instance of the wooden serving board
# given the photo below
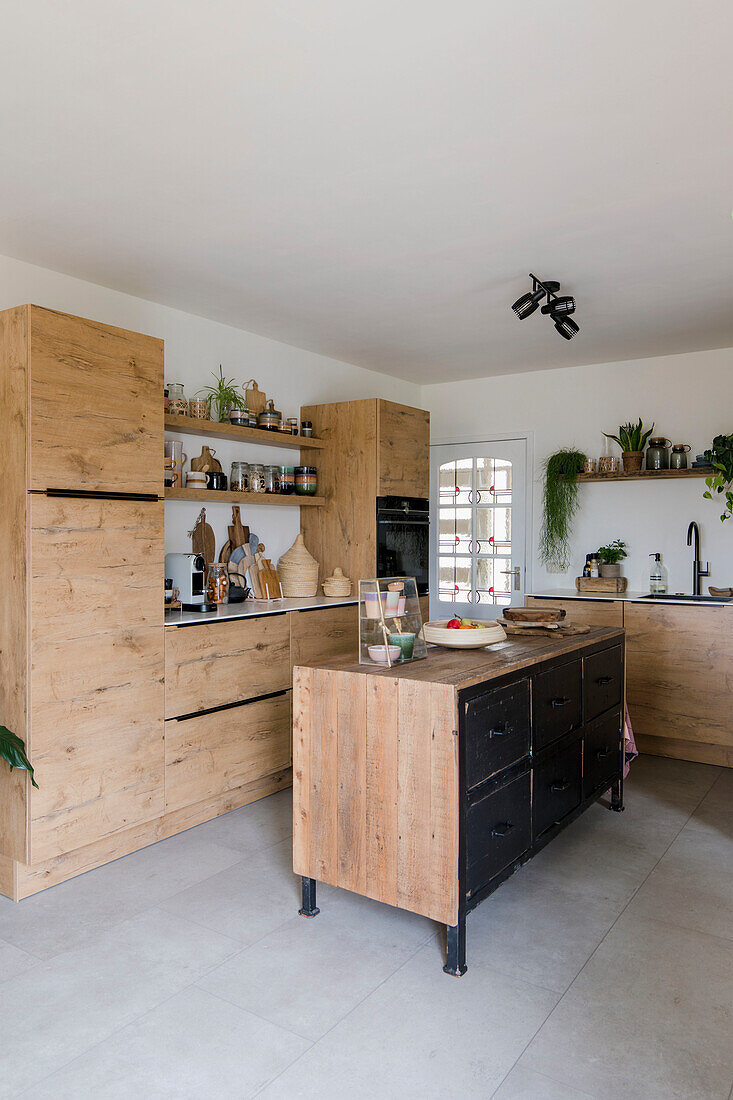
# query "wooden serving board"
(534, 614)
(566, 630)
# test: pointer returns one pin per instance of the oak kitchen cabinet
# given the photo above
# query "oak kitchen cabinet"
(588, 612)
(375, 448)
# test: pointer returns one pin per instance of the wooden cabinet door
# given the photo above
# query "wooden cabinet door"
(324, 633)
(96, 406)
(403, 451)
(96, 680)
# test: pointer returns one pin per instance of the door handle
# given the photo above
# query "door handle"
(561, 786)
(502, 829)
(561, 701)
(603, 753)
(603, 680)
(516, 573)
(500, 733)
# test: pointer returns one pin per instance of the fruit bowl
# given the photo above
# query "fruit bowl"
(439, 633)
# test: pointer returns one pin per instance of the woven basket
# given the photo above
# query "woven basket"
(298, 571)
(337, 585)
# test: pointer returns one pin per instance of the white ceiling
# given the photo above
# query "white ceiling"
(374, 179)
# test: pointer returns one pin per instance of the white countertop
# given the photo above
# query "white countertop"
(254, 608)
(628, 596)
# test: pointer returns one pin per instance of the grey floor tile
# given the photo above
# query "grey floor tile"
(715, 812)
(62, 1007)
(650, 1016)
(318, 970)
(254, 827)
(692, 885)
(538, 931)
(13, 961)
(526, 1084)
(245, 901)
(66, 915)
(423, 1034)
(193, 1046)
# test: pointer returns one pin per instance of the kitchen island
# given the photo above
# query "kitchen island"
(426, 785)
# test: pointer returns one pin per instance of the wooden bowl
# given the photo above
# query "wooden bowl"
(439, 633)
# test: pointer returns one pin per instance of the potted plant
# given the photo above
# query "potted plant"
(720, 457)
(559, 505)
(611, 557)
(12, 749)
(631, 439)
(225, 395)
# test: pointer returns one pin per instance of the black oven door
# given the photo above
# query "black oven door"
(403, 533)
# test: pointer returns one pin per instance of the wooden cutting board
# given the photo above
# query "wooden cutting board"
(534, 614)
(566, 630)
(202, 539)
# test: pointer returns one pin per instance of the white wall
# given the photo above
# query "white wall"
(690, 397)
(194, 347)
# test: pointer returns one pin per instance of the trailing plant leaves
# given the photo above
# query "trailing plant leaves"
(720, 457)
(560, 505)
(12, 749)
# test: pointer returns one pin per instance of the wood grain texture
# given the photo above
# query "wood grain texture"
(225, 662)
(31, 880)
(375, 788)
(213, 429)
(323, 633)
(221, 751)
(680, 675)
(646, 475)
(344, 533)
(585, 612)
(403, 450)
(13, 551)
(227, 496)
(96, 679)
(96, 413)
(679, 749)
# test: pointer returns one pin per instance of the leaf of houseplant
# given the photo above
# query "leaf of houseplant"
(12, 749)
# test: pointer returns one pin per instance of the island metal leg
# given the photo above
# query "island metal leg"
(617, 796)
(309, 909)
(455, 935)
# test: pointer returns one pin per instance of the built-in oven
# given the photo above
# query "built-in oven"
(403, 539)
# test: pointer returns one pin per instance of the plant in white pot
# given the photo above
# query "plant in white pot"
(611, 557)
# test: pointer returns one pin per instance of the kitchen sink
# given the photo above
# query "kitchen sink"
(682, 596)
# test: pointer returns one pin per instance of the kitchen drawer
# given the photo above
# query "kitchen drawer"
(497, 729)
(557, 786)
(556, 703)
(322, 633)
(498, 831)
(602, 753)
(214, 664)
(210, 754)
(603, 679)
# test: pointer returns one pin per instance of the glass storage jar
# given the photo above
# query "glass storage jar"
(217, 586)
(293, 425)
(199, 409)
(272, 479)
(239, 479)
(657, 455)
(287, 480)
(177, 403)
(256, 478)
(306, 480)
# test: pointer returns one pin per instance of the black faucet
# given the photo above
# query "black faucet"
(697, 569)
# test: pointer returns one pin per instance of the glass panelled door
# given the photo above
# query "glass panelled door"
(478, 542)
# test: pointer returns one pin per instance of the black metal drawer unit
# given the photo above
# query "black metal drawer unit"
(535, 750)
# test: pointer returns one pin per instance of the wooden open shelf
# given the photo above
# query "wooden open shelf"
(226, 496)
(648, 475)
(192, 426)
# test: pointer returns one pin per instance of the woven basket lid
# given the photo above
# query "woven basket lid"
(337, 578)
(298, 555)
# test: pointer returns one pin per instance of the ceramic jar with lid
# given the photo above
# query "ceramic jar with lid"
(270, 419)
(287, 480)
(678, 458)
(306, 480)
(657, 455)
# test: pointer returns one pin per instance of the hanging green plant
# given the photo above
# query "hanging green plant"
(720, 457)
(560, 505)
(12, 749)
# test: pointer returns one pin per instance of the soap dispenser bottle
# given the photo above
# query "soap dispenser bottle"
(657, 576)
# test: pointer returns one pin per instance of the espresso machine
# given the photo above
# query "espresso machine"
(188, 573)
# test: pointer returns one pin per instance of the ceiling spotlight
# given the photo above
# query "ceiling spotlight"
(567, 327)
(558, 308)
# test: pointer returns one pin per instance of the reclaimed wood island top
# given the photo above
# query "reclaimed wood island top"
(376, 767)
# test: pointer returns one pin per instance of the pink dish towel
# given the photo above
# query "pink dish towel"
(630, 744)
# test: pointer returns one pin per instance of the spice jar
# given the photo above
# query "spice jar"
(272, 479)
(256, 478)
(217, 586)
(177, 403)
(239, 477)
(306, 480)
(306, 427)
(293, 425)
(270, 419)
(287, 480)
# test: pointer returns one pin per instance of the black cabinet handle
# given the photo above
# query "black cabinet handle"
(502, 829)
(603, 680)
(561, 786)
(603, 753)
(561, 701)
(500, 733)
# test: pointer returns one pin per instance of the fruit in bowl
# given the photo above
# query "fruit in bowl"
(463, 624)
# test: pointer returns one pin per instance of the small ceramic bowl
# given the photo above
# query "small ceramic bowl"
(378, 653)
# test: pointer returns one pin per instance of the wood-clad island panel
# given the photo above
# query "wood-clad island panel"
(375, 788)
(680, 680)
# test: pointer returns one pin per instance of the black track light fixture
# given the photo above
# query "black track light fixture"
(557, 307)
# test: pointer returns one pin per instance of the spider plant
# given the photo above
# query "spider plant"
(225, 395)
(12, 749)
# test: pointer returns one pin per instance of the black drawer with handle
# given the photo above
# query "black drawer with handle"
(557, 786)
(497, 731)
(498, 831)
(603, 675)
(557, 704)
(602, 753)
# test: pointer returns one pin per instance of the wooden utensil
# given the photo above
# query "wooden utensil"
(270, 581)
(202, 539)
(206, 461)
(241, 534)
